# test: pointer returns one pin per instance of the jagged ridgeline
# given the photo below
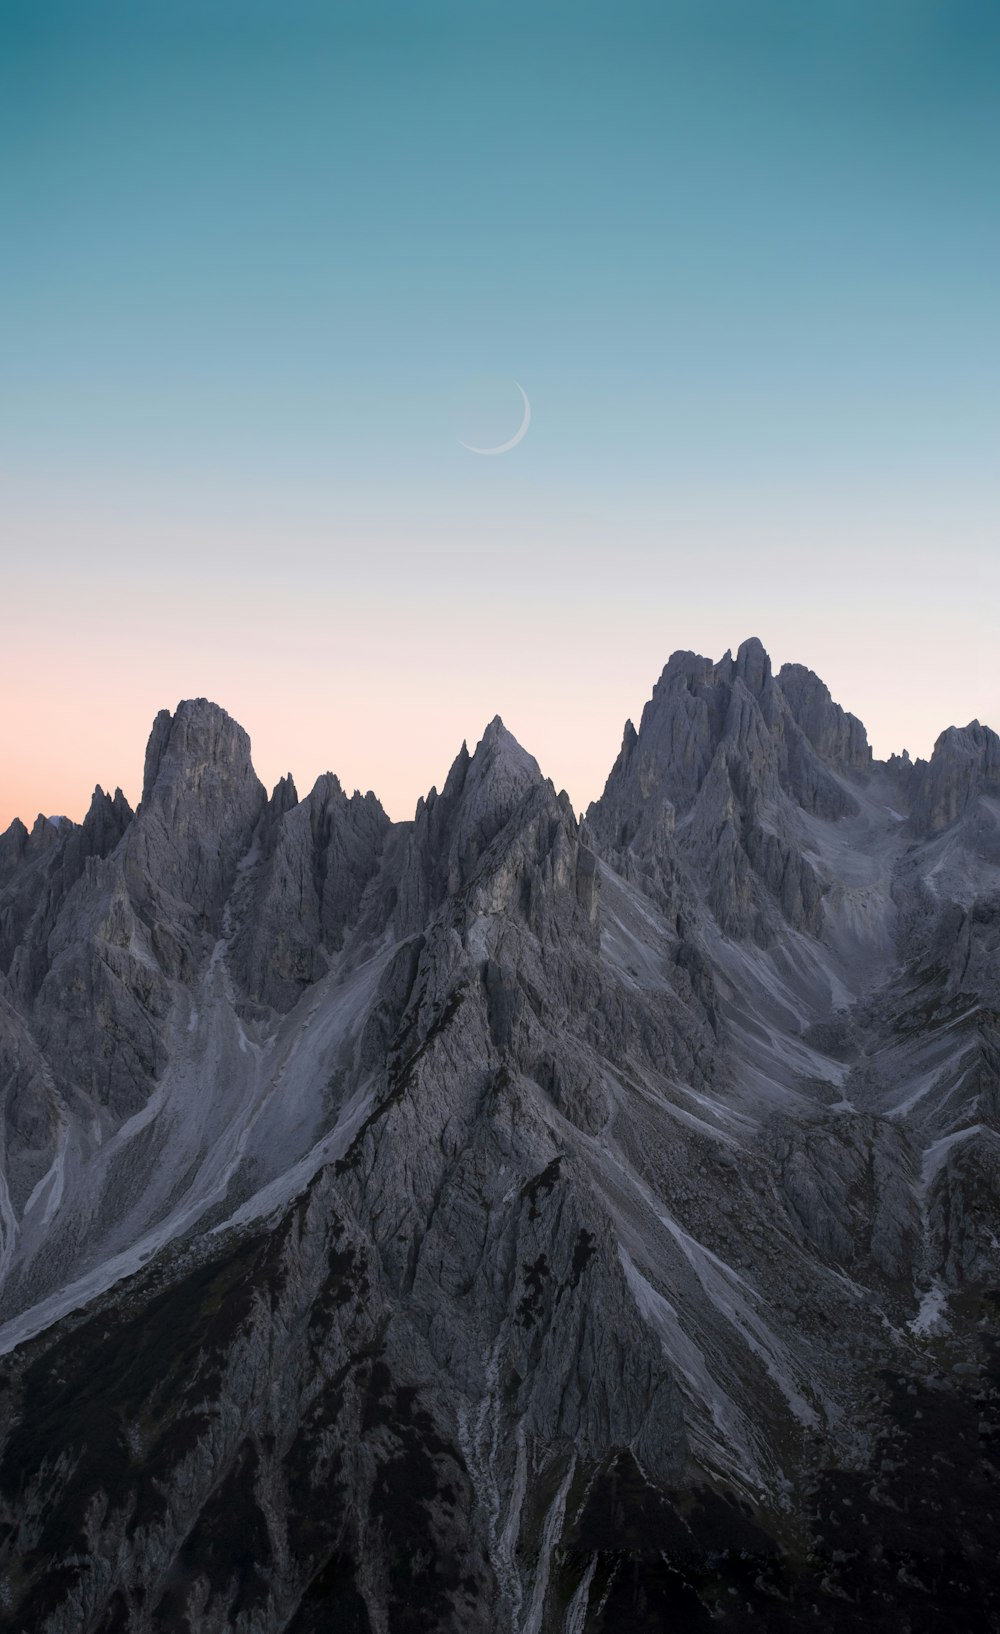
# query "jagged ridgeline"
(506, 1223)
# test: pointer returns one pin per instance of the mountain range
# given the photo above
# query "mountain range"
(509, 1221)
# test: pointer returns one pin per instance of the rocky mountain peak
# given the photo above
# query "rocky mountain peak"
(453, 829)
(697, 706)
(683, 668)
(839, 737)
(975, 741)
(965, 764)
(16, 834)
(284, 795)
(326, 787)
(303, 885)
(101, 801)
(494, 782)
(713, 779)
(284, 798)
(487, 784)
(500, 758)
(328, 806)
(199, 750)
(752, 666)
(45, 830)
(12, 843)
(107, 818)
(201, 804)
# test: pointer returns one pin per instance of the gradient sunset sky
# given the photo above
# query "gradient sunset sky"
(743, 256)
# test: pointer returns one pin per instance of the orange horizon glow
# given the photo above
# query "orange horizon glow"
(395, 726)
(744, 276)
(332, 662)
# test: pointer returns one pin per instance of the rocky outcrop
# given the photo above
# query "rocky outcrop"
(453, 830)
(56, 859)
(303, 895)
(837, 737)
(705, 797)
(12, 848)
(201, 802)
(965, 764)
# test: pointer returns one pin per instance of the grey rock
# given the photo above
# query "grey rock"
(397, 1219)
(837, 737)
(965, 764)
(297, 902)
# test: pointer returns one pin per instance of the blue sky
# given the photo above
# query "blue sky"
(742, 255)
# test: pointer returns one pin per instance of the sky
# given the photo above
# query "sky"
(267, 264)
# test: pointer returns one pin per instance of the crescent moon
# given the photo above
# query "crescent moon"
(519, 435)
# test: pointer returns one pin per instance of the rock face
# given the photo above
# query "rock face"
(965, 765)
(500, 1222)
(201, 801)
(305, 879)
(719, 778)
(837, 737)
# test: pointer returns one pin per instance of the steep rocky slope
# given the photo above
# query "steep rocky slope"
(500, 1221)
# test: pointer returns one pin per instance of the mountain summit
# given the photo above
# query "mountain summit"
(503, 1222)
